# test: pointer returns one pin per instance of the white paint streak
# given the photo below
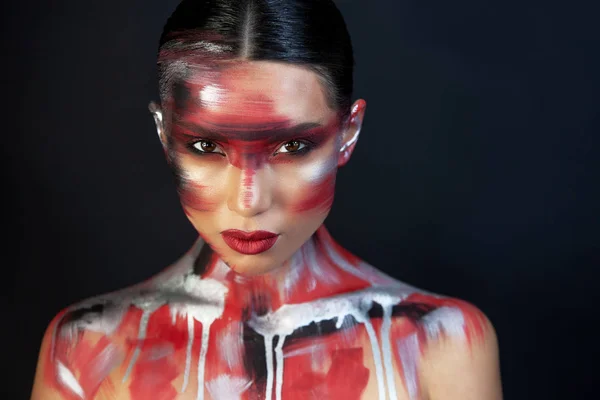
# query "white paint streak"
(230, 345)
(226, 387)
(202, 360)
(316, 172)
(160, 351)
(312, 348)
(279, 366)
(387, 351)
(376, 358)
(105, 322)
(289, 317)
(138, 347)
(66, 377)
(211, 96)
(326, 276)
(269, 358)
(210, 295)
(342, 263)
(103, 364)
(408, 350)
(287, 285)
(188, 353)
(444, 320)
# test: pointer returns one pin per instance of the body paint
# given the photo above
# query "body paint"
(317, 321)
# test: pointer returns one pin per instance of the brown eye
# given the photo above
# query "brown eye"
(205, 146)
(293, 146)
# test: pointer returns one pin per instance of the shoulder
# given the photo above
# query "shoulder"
(456, 344)
(80, 348)
(85, 345)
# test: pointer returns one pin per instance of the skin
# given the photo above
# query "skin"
(257, 184)
(256, 146)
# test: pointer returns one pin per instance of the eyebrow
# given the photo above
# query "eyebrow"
(266, 132)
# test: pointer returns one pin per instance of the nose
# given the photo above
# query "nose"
(249, 191)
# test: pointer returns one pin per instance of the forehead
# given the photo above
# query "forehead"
(253, 92)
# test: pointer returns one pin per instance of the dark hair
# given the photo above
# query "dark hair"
(311, 33)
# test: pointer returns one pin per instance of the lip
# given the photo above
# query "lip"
(254, 242)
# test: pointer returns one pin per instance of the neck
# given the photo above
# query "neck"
(320, 268)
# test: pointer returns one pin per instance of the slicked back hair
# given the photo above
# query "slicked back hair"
(309, 33)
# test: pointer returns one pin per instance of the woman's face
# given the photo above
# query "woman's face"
(256, 148)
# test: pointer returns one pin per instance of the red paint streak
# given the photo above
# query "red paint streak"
(195, 196)
(346, 378)
(151, 377)
(89, 363)
(215, 364)
(250, 128)
(248, 178)
(95, 366)
(152, 380)
(55, 352)
(157, 335)
(347, 282)
(318, 196)
(401, 331)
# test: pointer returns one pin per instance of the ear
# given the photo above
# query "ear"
(351, 131)
(157, 113)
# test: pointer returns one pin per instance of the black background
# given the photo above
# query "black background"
(476, 174)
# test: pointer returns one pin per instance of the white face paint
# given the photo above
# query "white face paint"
(211, 96)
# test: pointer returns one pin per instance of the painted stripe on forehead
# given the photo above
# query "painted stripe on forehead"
(277, 131)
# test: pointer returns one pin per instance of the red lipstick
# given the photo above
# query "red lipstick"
(254, 242)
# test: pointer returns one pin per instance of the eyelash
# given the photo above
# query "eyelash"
(308, 146)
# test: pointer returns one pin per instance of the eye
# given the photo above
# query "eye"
(206, 146)
(293, 146)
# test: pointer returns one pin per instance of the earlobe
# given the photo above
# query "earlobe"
(350, 135)
(157, 113)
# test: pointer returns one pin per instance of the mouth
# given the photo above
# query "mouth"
(254, 242)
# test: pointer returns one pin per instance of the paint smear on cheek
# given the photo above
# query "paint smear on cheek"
(195, 188)
(195, 196)
(318, 181)
(317, 196)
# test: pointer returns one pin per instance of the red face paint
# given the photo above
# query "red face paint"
(255, 146)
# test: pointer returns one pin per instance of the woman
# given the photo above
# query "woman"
(255, 118)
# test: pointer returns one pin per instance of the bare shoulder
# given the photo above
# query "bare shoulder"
(80, 347)
(448, 345)
(84, 345)
(83, 350)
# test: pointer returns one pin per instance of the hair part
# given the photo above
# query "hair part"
(309, 33)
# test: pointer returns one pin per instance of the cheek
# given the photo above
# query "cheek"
(315, 187)
(196, 197)
(316, 197)
(198, 187)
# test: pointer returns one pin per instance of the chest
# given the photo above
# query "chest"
(173, 358)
